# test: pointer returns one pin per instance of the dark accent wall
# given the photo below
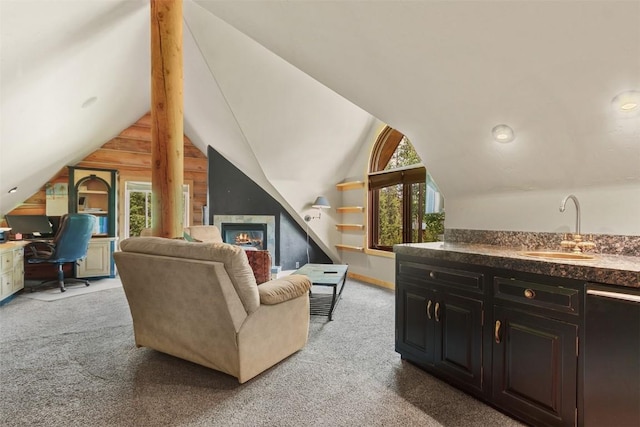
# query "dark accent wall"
(231, 192)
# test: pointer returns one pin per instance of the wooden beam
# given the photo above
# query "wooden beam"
(166, 118)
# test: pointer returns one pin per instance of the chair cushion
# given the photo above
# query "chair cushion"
(233, 257)
(284, 289)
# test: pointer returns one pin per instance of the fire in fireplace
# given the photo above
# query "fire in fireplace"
(246, 235)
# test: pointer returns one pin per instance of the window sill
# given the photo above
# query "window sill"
(376, 252)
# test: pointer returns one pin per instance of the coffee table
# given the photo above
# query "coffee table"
(332, 275)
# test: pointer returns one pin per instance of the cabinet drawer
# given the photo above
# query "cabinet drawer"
(443, 276)
(6, 284)
(557, 298)
(6, 261)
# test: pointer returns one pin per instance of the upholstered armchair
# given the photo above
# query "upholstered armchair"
(260, 261)
(201, 302)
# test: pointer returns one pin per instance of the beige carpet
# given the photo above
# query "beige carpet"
(73, 289)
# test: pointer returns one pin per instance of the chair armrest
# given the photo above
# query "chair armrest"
(283, 289)
(38, 249)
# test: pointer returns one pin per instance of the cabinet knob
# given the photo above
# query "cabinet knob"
(529, 293)
(432, 274)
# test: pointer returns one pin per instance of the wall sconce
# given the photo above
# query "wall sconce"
(320, 203)
(503, 133)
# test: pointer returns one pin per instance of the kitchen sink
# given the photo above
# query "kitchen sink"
(569, 256)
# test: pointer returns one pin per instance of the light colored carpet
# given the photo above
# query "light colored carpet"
(74, 363)
(72, 290)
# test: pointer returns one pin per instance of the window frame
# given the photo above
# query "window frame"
(378, 178)
(145, 188)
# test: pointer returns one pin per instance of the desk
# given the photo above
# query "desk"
(332, 275)
(11, 269)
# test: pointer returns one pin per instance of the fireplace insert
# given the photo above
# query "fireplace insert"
(246, 235)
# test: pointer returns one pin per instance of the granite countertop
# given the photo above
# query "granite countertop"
(607, 269)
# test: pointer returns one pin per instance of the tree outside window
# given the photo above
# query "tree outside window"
(404, 202)
(138, 207)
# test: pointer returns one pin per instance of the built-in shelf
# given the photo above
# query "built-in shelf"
(350, 248)
(92, 192)
(350, 185)
(350, 226)
(350, 209)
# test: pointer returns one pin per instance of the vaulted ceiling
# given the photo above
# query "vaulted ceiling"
(289, 91)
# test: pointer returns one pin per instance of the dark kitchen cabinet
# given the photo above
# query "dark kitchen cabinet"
(439, 315)
(458, 343)
(535, 347)
(612, 357)
(414, 329)
(535, 367)
(507, 337)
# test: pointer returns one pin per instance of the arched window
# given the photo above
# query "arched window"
(401, 204)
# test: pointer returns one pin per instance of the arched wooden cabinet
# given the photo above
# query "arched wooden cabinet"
(94, 191)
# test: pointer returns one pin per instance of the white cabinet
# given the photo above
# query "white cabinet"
(11, 269)
(99, 260)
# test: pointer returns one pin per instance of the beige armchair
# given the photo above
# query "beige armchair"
(200, 233)
(204, 233)
(200, 302)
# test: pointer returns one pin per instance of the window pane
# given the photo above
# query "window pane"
(137, 212)
(390, 215)
(405, 155)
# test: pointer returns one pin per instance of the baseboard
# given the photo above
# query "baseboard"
(371, 280)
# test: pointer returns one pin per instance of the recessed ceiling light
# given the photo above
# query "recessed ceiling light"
(627, 102)
(503, 133)
(13, 190)
(89, 102)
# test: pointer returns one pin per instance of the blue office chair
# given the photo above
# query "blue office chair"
(69, 245)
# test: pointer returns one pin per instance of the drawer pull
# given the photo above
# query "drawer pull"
(429, 309)
(432, 274)
(529, 294)
(496, 332)
(437, 312)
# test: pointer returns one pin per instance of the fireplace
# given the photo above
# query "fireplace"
(268, 221)
(245, 234)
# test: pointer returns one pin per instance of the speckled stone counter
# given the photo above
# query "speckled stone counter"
(607, 269)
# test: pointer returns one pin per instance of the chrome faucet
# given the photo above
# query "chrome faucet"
(577, 203)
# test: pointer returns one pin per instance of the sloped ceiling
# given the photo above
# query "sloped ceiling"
(446, 72)
(286, 90)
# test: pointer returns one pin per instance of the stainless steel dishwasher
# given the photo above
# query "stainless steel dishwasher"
(612, 357)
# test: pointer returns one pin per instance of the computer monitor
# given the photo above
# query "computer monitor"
(30, 225)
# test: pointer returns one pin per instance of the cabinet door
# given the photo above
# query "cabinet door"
(18, 269)
(6, 284)
(458, 350)
(534, 367)
(415, 329)
(98, 260)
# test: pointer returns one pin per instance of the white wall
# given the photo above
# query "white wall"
(605, 210)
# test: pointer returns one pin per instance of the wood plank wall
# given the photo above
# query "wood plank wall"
(130, 154)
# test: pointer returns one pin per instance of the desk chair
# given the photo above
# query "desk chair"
(69, 245)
